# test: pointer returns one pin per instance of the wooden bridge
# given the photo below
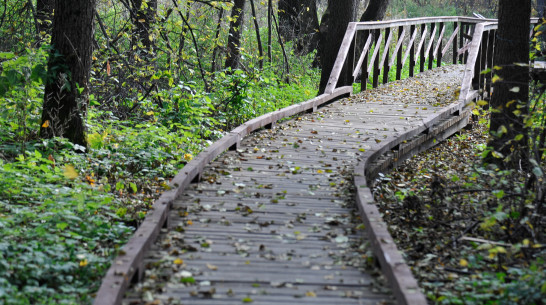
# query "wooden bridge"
(279, 211)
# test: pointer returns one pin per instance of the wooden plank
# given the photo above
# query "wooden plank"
(451, 39)
(375, 51)
(432, 36)
(440, 37)
(341, 57)
(362, 56)
(398, 46)
(422, 40)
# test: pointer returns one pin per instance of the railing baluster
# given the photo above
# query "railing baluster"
(386, 49)
(399, 52)
(364, 76)
(430, 53)
(438, 50)
(411, 47)
(420, 49)
(456, 29)
(490, 54)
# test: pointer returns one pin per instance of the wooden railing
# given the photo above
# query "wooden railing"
(371, 51)
(479, 68)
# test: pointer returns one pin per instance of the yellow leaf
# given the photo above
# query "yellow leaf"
(45, 124)
(212, 267)
(189, 222)
(178, 261)
(188, 157)
(150, 113)
(496, 78)
(311, 294)
(482, 103)
(320, 171)
(83, 263)
(463, 262)
(70, 172)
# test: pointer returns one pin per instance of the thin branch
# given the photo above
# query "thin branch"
(207, 88)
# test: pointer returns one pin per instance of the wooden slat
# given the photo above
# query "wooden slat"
(412, 40)
(362, 56)
(450, 41)
(375, 52)
(341, 57)
(385, 53)
(398, 46)
(427, 50)
(423, 38)
(440, 37)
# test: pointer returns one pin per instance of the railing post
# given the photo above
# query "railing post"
(412, 53)
(399, 55)
(350, 63)
(364, 68)
(386, 51)
(455, 46)
(422, 51)
(440, 42)
(376, 69)
(490, 55)
(483, 59)
(431, 51)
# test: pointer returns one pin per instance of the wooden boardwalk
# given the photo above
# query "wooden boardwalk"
(274, 222)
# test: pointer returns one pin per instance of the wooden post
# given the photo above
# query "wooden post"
(440, 44)
(490, 64)
(350, 62)
(483, 58)
(412, 53)
(461, 41)
(431, 51)
(364, 69)
(399, 67)
(386, 51)
(376, 69)
(455, 46)
(422, 51)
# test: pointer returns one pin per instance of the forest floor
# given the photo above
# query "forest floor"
(459, 226)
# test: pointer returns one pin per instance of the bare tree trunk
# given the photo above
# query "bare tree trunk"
(216, 37)
(375, 11)
(44, 12)
(66, 96)
(511, 92)
(258, 37)
(298, 21)
(234, 39)
(143, 15)
(341, 12)
(269, 29)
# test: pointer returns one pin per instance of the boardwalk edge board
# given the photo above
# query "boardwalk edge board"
(435, 129)
(128, 266)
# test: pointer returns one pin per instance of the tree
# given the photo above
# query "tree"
(510, 97)
(234, 39)
(298, 21)
(143, 14)
(340, 13)
(375, 10)
(44, 10)
(66, 93)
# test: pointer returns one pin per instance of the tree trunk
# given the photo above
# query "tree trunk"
(375, 10)
(298, 21)
(258, 36)
(44, 12)
(67, 94)
(234, 39)
(511, 92)
(340, 13)
(143, 18)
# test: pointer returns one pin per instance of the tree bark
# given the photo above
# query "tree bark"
(375, 10)
(143, 19)
(258, 36)
(234, 39)
(511, 91)
(67, 94)
(44, 12)
(298, 21)
(340, 13)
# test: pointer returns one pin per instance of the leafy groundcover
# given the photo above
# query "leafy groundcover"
(472, 234)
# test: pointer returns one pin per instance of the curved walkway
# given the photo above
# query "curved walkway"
(274, 222)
